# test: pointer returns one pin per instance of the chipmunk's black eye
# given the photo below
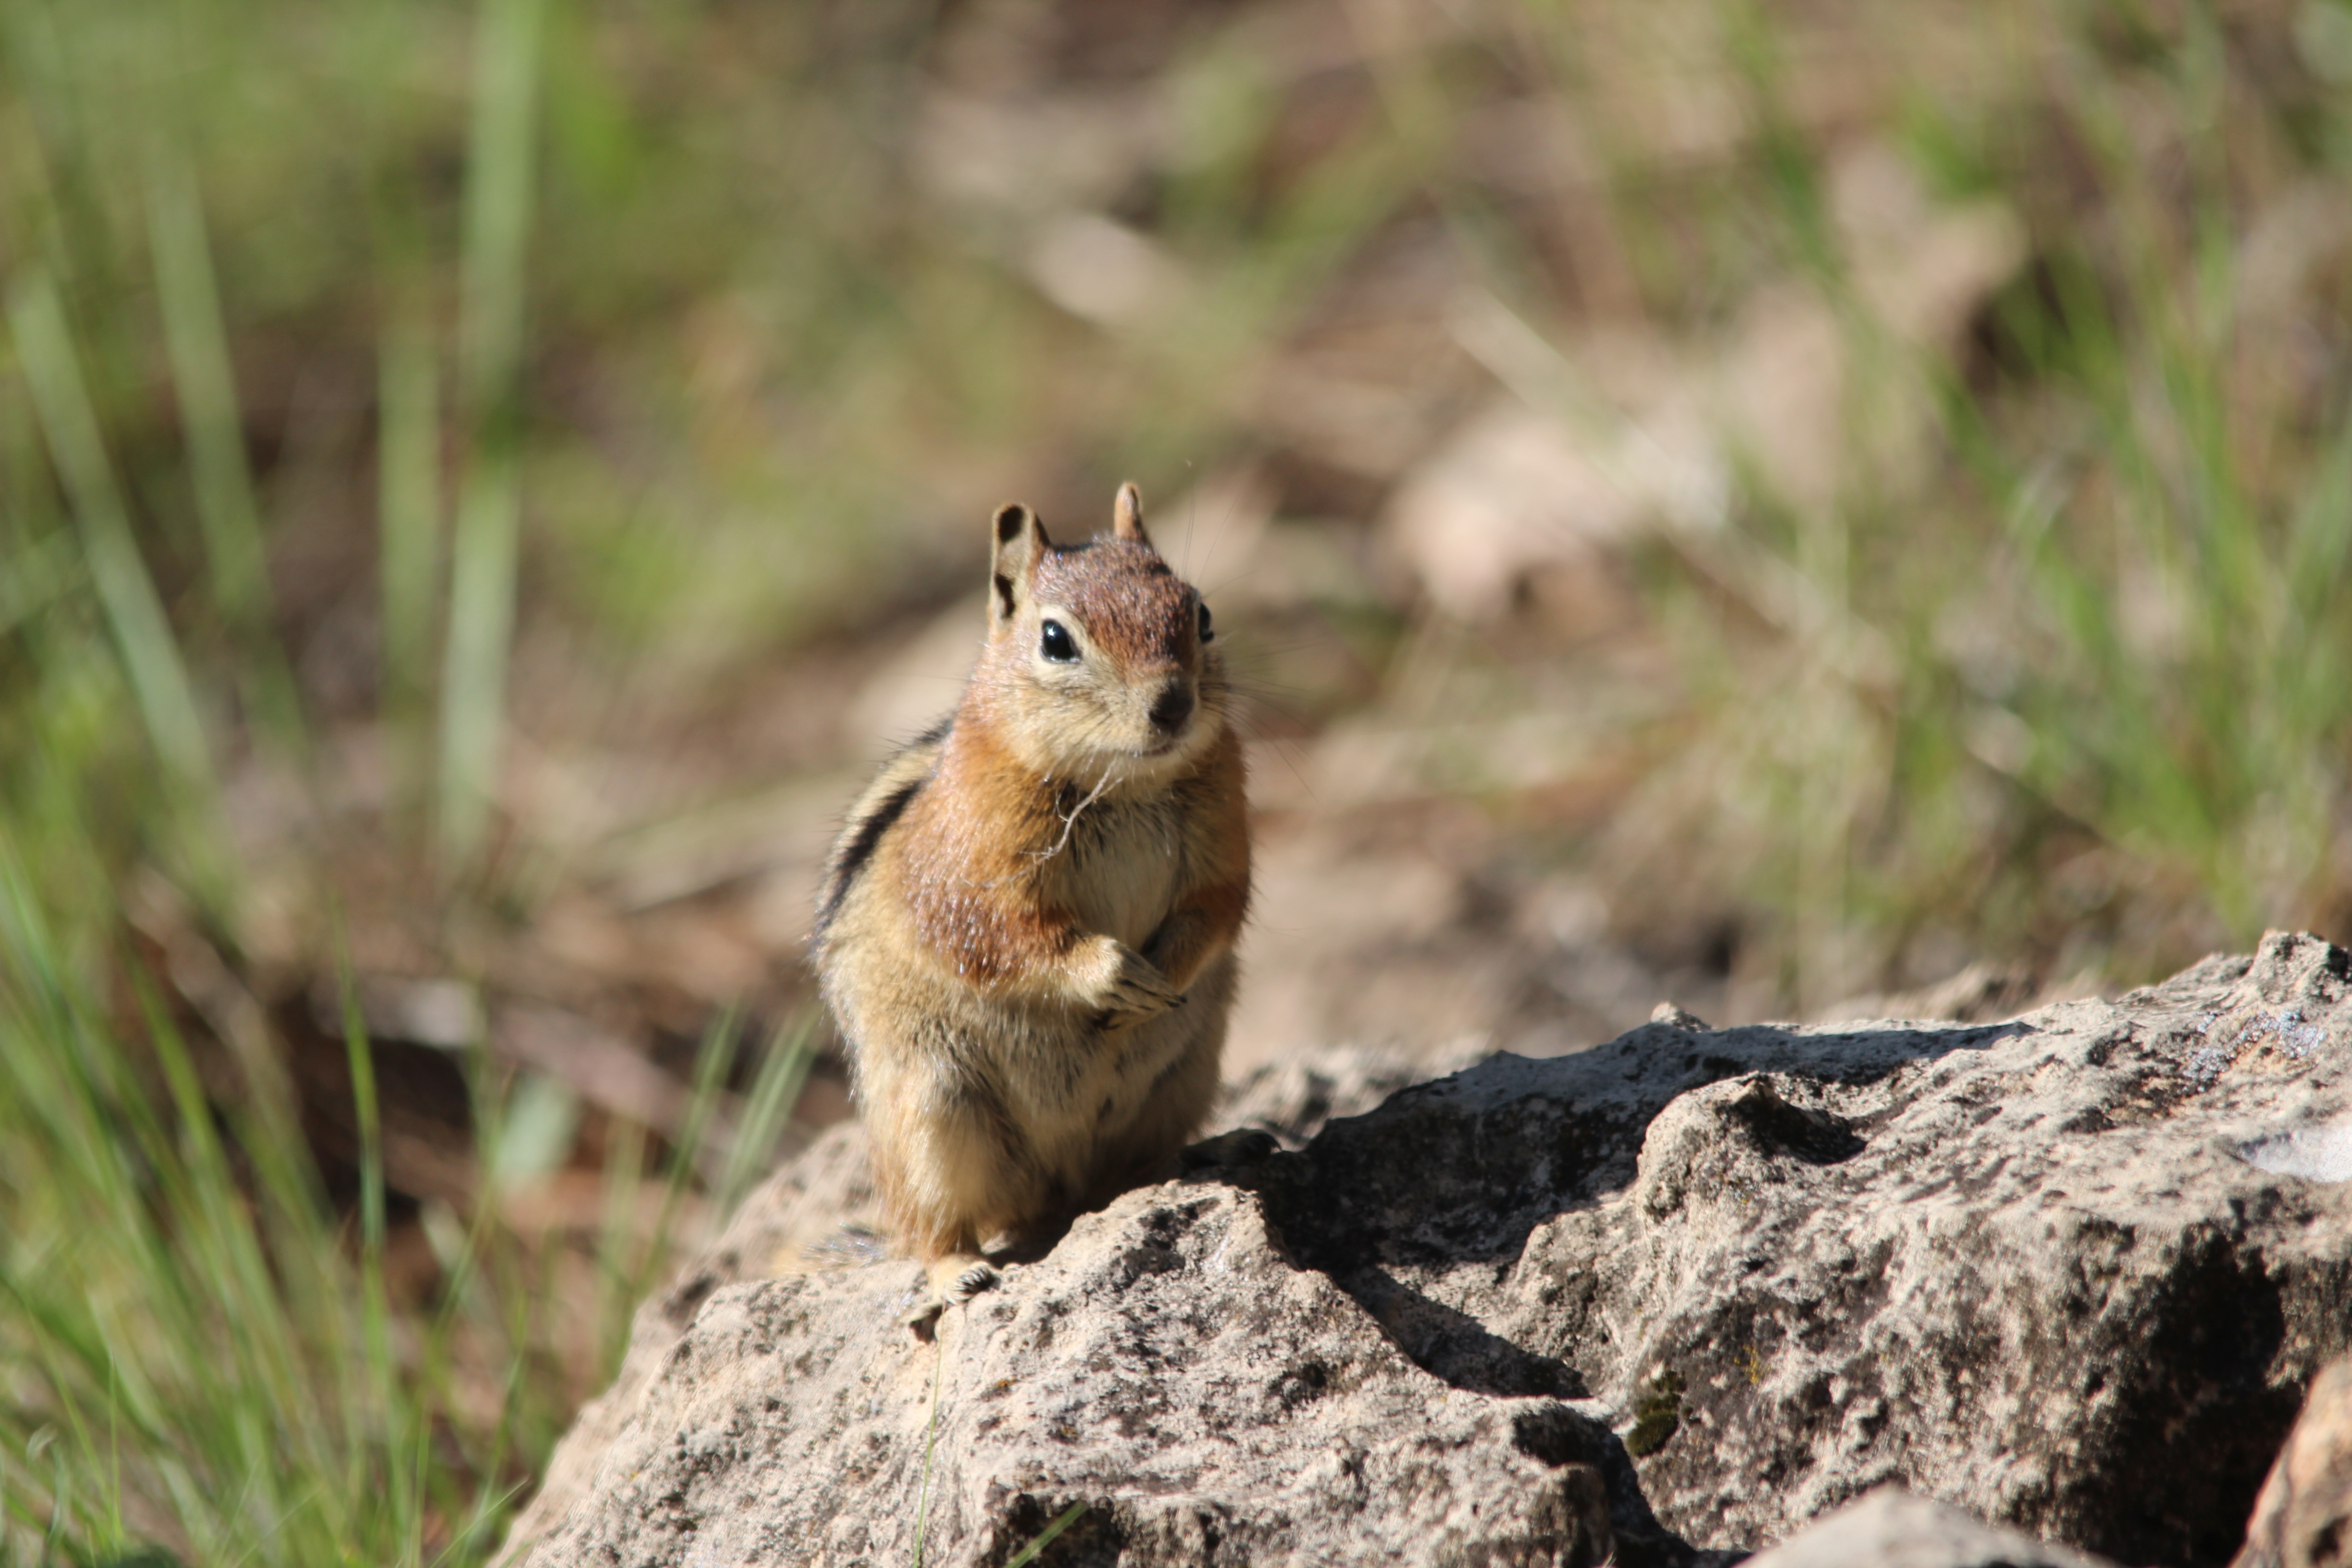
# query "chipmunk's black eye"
(1205, 632)
(1057, 645)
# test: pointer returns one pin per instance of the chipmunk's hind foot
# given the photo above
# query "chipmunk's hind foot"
(923, 1318)
(955, 1280)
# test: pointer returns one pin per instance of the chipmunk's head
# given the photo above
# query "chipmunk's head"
(1099, 658)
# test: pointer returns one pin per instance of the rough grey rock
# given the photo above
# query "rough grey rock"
(2071, 1272)
(1892, 1528)
(820, 1213)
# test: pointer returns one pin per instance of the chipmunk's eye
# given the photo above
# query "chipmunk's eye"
(1205, 632)
(1056, 644)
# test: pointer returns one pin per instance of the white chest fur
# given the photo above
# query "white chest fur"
(1120, 870)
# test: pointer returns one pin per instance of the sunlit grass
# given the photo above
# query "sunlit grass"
(2118, 714)
(489, 508)
(204, 1354)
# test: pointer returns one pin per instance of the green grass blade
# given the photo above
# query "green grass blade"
(617, 1240)
(226, 508)
(1028, 1553)
(497, 195)
(481, 623)
(408, 510)
(931, 1440)
(775, 1092)
(150, 656)
(711, 1068)
(385, 1402)
(482, 568)
(198, 347)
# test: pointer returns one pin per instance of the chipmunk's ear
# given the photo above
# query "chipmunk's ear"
(1127, 514)
(1016, 541)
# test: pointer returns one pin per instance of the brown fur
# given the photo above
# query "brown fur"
(1026, 931)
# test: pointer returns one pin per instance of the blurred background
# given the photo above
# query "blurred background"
(1809, 510)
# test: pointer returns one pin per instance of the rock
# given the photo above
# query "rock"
(1892, 1528)
(1674, 1016)
(1978, 993)
(1292, 1100)
(1673, 1296)
(2303, 1518)
(820, 1212)
(793, 1422)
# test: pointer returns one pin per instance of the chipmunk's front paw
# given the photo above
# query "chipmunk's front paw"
(1140, 1000)
(1123, 987)
(975, 1279)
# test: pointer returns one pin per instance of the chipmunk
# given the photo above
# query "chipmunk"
(1026, 928)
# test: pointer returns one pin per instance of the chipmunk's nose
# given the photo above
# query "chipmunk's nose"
(1172, 707)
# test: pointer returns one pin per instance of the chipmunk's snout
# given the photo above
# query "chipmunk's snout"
(1173, 707)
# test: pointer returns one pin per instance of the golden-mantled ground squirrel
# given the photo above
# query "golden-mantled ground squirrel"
(1027, 928)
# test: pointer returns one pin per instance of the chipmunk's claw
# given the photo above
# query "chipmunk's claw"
(1131, 1011)
(976, 1280)
(1123, 987)
(955, 1280)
